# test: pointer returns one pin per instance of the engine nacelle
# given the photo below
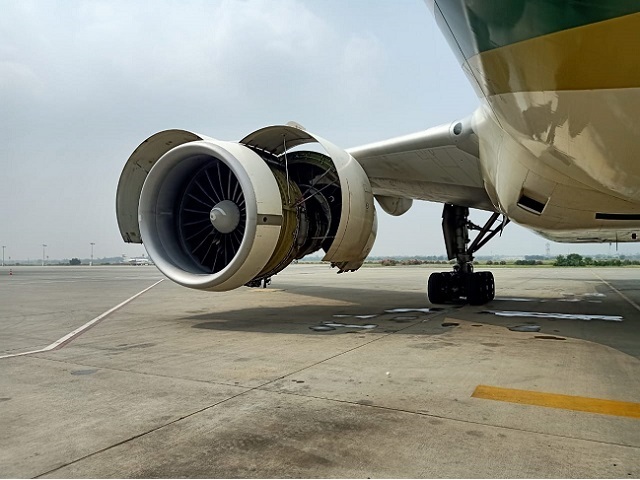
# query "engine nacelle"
(217, 215)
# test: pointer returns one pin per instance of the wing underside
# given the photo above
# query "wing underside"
(440, 164)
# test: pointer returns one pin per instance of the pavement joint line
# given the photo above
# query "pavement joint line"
(631, 302)
(127, 330)
(459, 420)
(382, 336)
(87, 280)
(555, 400)
(436, 314)
(63, 341)
(249, 390)
(142, 434)
(68, 362)
(9, 350)
(134, 372)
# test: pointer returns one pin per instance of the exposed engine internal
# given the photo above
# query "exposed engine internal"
(217, 215)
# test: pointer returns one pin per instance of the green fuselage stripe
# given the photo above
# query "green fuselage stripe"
(544, 45)
(480, 26)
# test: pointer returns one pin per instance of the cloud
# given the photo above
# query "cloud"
(82, 83)
(362, 60)
(189, 59)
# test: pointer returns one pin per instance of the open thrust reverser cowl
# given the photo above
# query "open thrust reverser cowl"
(216, 215)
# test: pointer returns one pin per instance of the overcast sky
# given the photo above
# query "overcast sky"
(83, 83)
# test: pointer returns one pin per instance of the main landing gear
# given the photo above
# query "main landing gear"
(477, 287)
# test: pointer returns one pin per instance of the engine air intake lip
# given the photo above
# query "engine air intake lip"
(181, 204)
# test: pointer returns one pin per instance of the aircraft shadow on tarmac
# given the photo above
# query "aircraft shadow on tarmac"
(369, 307)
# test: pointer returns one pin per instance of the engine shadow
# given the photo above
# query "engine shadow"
(301, 321)
(370, 307)
(355, 308)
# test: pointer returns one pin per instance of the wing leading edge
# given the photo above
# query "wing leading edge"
(440, 164)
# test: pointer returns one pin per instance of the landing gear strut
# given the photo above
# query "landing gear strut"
(477, 287)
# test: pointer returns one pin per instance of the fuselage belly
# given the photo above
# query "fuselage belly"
(557, 129)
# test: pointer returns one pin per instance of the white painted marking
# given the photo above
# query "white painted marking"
(631, 302)
(22, 282)
(514, 299)
(558, 316)
(407, 310)
(347, 325)
(78, 331)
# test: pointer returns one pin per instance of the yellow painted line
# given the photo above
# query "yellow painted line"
(555, 400)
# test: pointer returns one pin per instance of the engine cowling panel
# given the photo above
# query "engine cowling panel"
(216, 215)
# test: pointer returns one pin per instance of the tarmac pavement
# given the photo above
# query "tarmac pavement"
(182, 383)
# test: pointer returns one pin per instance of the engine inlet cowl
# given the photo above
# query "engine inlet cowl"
(210, 214)
(216, 215)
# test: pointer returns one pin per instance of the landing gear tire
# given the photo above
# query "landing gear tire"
(480, 288)
(437, 288)
(463, 284)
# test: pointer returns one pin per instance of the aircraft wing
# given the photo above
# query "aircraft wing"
(440, 164)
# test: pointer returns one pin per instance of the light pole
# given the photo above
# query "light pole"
(3, 247)
(43, 247)
(91, 262)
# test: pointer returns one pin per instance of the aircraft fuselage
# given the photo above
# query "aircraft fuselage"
(560, 89)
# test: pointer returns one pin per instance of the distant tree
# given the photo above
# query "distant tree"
(575, 260)
(571, 260)
(75, 261)
(527, 262)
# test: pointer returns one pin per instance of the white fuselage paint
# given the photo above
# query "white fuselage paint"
(575, 151)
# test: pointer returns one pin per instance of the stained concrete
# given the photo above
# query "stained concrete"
(180, 383)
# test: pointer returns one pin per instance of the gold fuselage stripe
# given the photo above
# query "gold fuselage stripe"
(554, 400)
(601, 55)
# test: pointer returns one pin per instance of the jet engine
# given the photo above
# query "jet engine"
(216, 215)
